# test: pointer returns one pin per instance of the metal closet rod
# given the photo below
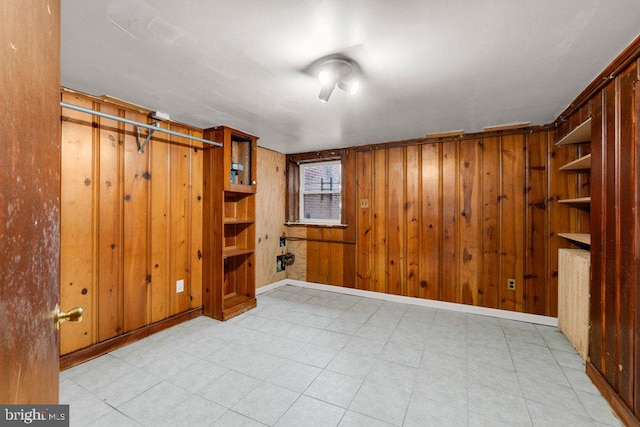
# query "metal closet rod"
(152, 128)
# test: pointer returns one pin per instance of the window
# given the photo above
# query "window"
(320, 192)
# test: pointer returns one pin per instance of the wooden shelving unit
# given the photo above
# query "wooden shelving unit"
(229, 223)
(573, 264)
(581, 134)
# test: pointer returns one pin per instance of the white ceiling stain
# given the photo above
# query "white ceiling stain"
(428, 66)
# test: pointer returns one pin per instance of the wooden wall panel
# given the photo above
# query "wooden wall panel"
(625, 200)
(489, 286)
(160, 231)
(364, 237)
(449, 182)
(379, 212)
(413, 220)
(195, 222)
(512, 221)
(469, 232)
(77, 234)
(270, 203)
(614, 339)
(109, 224)
(431, 222)
(598, 236)
(611, 225)
(131, 223)
(451, 220)
(136, 220)
(535, 278)
(180, 213)
(396, 222)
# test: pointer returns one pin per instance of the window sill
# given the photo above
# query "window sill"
(317, 225)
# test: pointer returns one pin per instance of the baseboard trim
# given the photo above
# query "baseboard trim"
(464, 308)
(88, 353)
(619, 408)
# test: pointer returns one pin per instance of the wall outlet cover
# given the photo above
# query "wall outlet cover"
(280, 266)
(179, 286)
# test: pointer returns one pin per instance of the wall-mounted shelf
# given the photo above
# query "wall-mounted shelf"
(579, 135)
(237, 221)
(231, 252)
(584, 238)
(581, 202)
(578, 165)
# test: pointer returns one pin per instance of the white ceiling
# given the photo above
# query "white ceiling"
(429, 65)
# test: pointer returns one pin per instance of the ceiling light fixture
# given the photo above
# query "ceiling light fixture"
(336, 70)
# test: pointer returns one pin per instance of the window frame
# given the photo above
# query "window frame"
(301, 193)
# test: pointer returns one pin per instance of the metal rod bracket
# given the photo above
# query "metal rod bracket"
(149, 135)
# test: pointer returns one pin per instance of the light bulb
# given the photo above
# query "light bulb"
(355, 86)
(324, 77)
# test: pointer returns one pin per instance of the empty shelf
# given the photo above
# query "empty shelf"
(582, 202)
(229, 252)
(584, 238)
(581, 164)
(238, 221)
(582, 133)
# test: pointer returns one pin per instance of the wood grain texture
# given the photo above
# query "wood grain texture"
(109, 224)
(431, 222)
(460, 217)
(270, 202)
(536, 244)
(396, 221)
(491, 232)
(136, 221)
(131, 223)
(77, 234)
(30, 200)
(512, 210)
(364, 238)
(573, 297)
(615, 246)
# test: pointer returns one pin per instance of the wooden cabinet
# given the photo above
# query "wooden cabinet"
(581, 134)
(573, 297)
(229, 223)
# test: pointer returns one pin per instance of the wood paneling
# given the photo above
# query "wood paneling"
(270, 201)
(613, 343)
(131, 223)
(451, 220)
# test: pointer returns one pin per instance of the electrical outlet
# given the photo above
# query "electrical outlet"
(179, 286)
(511, 284)
(364, 203)
(283, 241)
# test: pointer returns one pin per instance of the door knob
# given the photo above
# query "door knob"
(73, 315)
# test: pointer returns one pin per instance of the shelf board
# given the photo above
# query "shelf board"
(581, 164)
(584, 238)
(582, 133)
(237, 221)
(233, 251)
(582, 202)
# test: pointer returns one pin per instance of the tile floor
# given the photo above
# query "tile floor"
(314, 358)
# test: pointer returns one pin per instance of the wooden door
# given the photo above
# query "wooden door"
(29, 200)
